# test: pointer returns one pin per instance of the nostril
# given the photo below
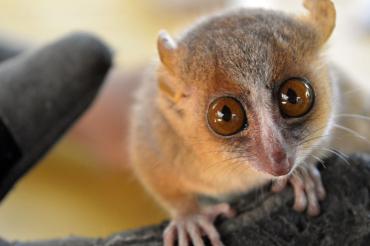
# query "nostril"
(278, 156)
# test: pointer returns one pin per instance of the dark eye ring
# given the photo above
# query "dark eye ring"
(226, 116)
(296, 97)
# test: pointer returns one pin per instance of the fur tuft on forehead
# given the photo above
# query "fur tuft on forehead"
(249, 43)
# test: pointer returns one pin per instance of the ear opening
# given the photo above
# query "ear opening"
(322, 15)
(172, 94)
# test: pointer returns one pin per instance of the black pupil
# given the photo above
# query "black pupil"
(226, 113)
(292, 96)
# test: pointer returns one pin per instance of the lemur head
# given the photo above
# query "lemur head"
(250, 86)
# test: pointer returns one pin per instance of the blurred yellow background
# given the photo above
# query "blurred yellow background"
(68, 192)
(71, 193)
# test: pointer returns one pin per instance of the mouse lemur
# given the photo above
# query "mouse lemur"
(240, 99)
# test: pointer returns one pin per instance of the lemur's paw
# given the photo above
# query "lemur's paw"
(308, 189)
(188, 230)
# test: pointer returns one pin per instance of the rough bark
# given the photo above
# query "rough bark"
(267, 219)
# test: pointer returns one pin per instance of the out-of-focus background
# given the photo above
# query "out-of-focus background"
(72, 193)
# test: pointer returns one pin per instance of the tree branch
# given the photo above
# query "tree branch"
(265, 218)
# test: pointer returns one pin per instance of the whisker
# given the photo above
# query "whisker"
(339, 154)
(215, 164)
(352, 91)
(309, 133)
(356, 134)
(321, 161)
(355, 116)
(312, 139)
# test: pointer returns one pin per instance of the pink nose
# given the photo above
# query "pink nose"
(280, 168)
(279, 164)
(278, 156)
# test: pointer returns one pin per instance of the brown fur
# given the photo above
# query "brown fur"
(245, 53)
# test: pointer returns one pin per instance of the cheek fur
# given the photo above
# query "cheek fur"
(314, 143)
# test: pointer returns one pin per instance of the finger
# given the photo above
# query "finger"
(211, 232)
(313, 208)
(223, 209)
(183, 238)
(195, 235)
(169, 235)
(279, 185)
(316, 177)
(300, 200)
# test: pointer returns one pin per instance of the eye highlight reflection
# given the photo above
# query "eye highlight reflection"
(295, 97)
(226, 116)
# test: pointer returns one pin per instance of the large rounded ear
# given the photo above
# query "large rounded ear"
(167, 82)
(322, 15)
(167, 48)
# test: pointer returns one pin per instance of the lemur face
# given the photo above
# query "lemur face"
(257, 90)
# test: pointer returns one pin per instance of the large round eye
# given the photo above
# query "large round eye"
(226, 116)
(296, 97)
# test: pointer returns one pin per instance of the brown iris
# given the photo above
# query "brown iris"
(226, 116)
(296, 97)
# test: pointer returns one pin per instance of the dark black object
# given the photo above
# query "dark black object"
(10, 152)
(265, 218)
(42, 92)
